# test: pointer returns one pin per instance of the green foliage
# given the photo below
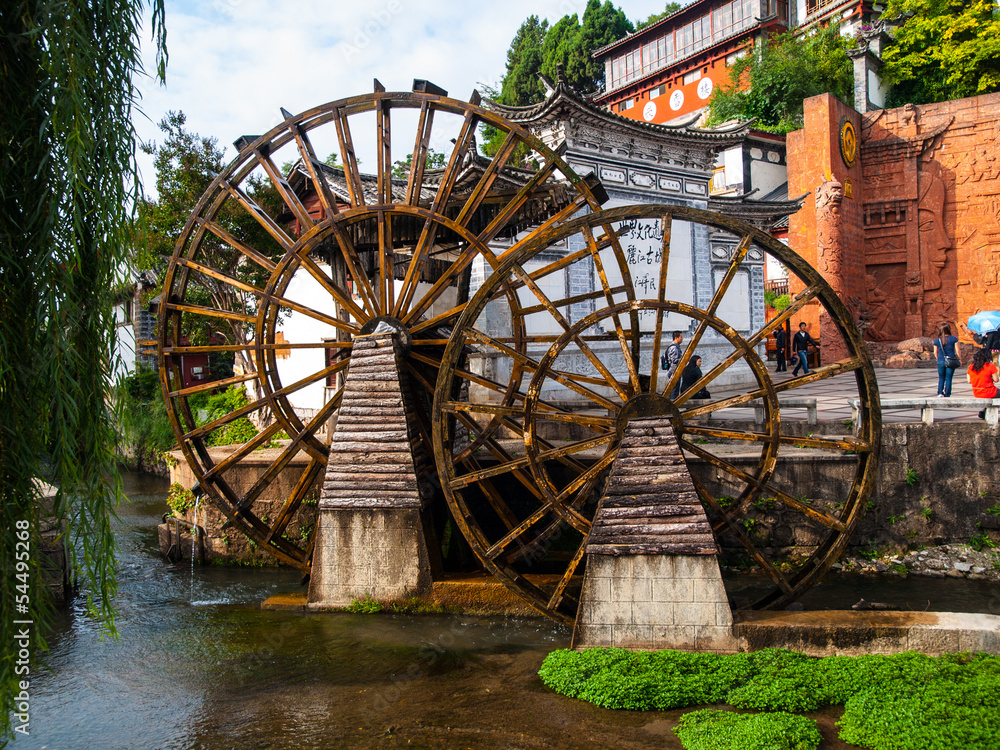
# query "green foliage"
(944, 49)
(912, 477)
(401, 169)
(367, 605)
(539, 48)
(180, 499)
(669, 10)
(994, 511)
(981, 540)
(143, 422)
(770, 85)
(781, 302)
(69, 182)
(208, 407)
(186, 163)
(904, 701)
(711, 729)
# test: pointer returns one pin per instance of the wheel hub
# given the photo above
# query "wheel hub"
(648, 405)
(399, 329)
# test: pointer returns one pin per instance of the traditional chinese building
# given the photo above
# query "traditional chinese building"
(670, 68)
(644, 162)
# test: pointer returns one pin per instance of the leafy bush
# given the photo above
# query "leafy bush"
(208, 407)
(180, 498)
(143, 423)
(781, 302)
(899, 702)
(711, 729)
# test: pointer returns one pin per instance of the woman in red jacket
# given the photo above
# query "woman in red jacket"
(983, 376)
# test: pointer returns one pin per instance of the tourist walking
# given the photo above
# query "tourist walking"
(982, 376)
(801, 342)
(947, 359)
(671, 358)
(692, 374)
(781, 343)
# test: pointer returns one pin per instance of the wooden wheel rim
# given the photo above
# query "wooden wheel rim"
(865, 446)
(227, 191)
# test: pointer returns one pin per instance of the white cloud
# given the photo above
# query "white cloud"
(234, 63)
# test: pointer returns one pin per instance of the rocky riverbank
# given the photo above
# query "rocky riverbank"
(944, 561)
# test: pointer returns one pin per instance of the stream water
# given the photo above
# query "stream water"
(199, 665)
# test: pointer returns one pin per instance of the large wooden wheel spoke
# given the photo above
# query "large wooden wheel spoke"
(292, 253)
(589, 359)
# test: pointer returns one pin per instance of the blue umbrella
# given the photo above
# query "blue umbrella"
(984, 322)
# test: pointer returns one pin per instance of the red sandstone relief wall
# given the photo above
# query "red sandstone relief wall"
(826, 230)
(924, 219)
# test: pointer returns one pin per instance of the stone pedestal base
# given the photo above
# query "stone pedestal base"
(371, 534)
(368, 552)
(652, 578)
(655, 602)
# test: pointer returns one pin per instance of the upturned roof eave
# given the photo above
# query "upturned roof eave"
(563, 97)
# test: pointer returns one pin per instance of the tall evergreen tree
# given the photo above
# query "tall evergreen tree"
(538, 48)
(68, 186)
(520, 84)
(602, 24)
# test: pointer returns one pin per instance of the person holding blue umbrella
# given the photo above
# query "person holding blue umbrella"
(987, 325)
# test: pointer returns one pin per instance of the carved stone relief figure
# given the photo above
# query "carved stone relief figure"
(829, 250)
(934, 239)
(938, 309)
(914, 293)
(878, 308)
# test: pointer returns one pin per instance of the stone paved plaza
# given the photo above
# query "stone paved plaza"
(833, 393)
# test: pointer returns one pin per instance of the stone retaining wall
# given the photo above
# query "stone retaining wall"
(953, 483)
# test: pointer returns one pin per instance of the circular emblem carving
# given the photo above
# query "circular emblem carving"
(649, 111)
(848, 142)
(676, 100)
(705, 88)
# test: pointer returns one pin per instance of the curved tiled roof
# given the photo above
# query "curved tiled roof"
(563, 97)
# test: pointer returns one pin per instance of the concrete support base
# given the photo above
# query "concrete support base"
(368, 552)
(652, 578)
(849, 633)
(372, 531)
(655, 602)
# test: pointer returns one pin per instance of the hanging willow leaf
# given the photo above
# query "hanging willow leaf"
(68, 187)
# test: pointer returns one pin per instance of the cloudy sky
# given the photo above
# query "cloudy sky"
(233, 63)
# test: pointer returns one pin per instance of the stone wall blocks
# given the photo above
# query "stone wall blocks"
(653, 613)
(979, 640)
(680, 637)
(594, 634)
(630, 589)
(694, 613)
(930, 640)
(619, 613)
(632, 636)
(710, 591)
(672, 590)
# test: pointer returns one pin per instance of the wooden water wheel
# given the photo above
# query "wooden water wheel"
(532, 398)
(344, 250)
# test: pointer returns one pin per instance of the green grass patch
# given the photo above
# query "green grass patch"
(900, 702)
(711, 729)
(413, 606)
